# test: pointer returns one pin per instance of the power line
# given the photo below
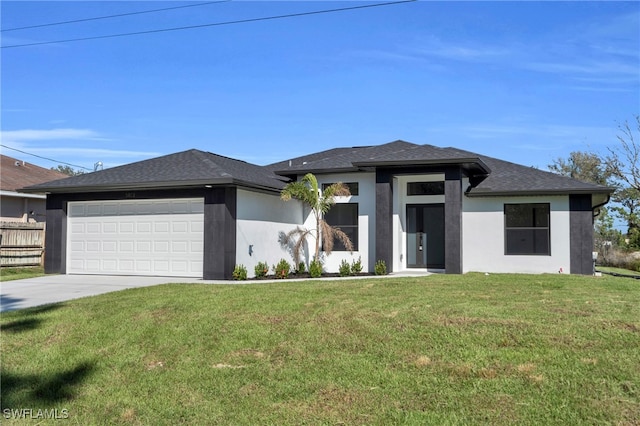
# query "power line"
(112, 16)
(241, 21)
(45, 158)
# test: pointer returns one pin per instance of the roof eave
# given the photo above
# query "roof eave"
(539, 192)
(16, 194)
(318, 171)
(439, 162)
(150, 185)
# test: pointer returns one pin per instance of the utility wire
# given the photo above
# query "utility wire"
(112, 16)
(240, 21)
(45, 158)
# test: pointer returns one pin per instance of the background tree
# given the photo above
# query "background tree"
(584, 166)
(620, 170)
(623, 163)
(67, 170)
(590, 167)
(320, 202)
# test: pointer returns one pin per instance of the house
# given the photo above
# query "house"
(18, 206)
(198, 214)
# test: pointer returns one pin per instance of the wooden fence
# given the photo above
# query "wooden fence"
(21, 243)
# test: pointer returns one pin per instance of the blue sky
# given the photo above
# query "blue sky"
(527, 82)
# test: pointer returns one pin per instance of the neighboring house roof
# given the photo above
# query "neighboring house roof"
(15, 174)
(190, 168)
(489, 176)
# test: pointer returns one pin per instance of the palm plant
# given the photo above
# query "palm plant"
(320, 202)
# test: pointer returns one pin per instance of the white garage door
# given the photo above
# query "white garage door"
(136, 237)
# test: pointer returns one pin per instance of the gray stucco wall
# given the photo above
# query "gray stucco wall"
(220, 213)
(55, 255)
(453, 221)
(581, 224)
(384, 218)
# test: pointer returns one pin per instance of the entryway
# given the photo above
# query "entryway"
(425, 236)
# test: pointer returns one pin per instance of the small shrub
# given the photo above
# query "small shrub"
(282, 269)
(356, 266)
(380, 268)
(261, 269)
(240, 273)
(315, 269)
(345, 268)
(301, 268)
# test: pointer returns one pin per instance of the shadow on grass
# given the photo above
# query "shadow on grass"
(31, 322)
(19, 326)
(24, 390)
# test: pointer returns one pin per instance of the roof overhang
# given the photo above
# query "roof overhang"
(544, 192)
(473, 164)
(316, 171)
(133, 186)
(14, 194)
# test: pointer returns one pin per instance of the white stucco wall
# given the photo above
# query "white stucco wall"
(483, 236)
(366, 200)
(261, 218)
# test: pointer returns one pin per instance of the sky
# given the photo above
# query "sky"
(527, 82)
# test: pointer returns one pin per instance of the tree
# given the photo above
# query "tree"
(590, 167)
(623, 163)
(320, 202)
(584, 166)
(67, 170)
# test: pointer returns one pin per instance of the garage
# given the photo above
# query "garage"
(162, 237)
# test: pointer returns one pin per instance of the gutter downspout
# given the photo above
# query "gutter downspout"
(597, 206)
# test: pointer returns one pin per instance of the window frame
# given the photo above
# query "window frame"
(337, 245)
(413, 186)
(350, 185)
(532, 227)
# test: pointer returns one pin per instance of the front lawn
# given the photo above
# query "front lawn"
(18, 273)
(443, 349)
(619, 271)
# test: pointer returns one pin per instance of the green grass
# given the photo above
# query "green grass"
(443, 349)
(617, 271)
(10, 273)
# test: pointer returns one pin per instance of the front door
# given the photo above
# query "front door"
(425, 236)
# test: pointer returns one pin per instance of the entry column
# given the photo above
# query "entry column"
(384, 218)
(453, 220)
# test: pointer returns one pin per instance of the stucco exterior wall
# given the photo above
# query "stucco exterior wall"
(366, 221)
(261, 220)
(483, 237)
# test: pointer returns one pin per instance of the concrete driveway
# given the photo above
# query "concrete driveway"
(31, 292)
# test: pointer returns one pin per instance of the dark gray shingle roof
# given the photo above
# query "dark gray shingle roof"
(193, 168)
(339, 159)
(182, 169)
(511, 179)
(497, 177)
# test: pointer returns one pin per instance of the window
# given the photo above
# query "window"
(527, 229)
(345, 217)
(353, 186)
(425, 188)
